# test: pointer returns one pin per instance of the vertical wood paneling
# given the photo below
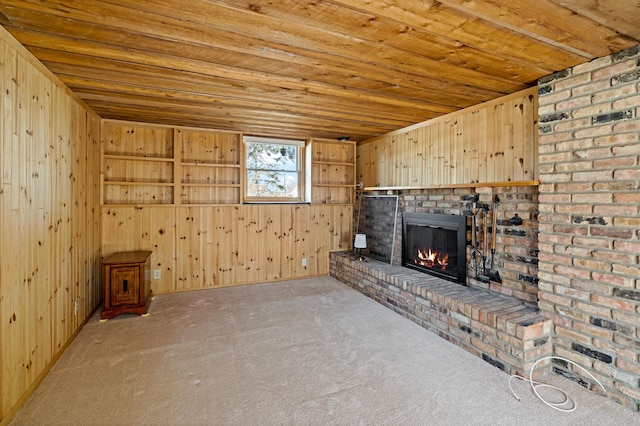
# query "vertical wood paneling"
(491, 143)
(49, 220)
(221, 246)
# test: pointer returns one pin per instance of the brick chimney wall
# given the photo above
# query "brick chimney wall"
(589, 219)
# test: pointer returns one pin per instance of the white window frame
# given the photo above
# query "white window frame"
(300, 170)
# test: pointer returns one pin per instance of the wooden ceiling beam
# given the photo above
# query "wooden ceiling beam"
(180, 37)
(218, 105)
(310, 68)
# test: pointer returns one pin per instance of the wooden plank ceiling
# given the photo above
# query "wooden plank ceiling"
(310, 68)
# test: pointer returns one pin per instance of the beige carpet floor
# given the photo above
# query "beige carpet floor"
(306, 352)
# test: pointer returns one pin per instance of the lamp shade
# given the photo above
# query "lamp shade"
(360, 241)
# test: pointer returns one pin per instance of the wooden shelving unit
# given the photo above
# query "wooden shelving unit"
(333, 171)
(153, 165)
(210, 167)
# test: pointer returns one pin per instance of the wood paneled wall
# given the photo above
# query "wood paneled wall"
(494, 142)
(49, 220)
(220, 246)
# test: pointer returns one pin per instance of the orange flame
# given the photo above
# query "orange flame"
(432, 259)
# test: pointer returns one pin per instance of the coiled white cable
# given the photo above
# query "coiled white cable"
(568, 399)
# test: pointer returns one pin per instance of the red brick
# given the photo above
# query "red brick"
(542, 327)
(630, 246)
(618, 233)
(576, 80)
(592, 197)
(627, 318)
(554, 98)
(631, 101)
(615, 256)
(592, 176)
(591, 110)
(618, 68)
(548, 139)
(593, 287)
(557, 259)
(593, 242)
(574, 166)
(592, 331)
(556, 300)
(572, 187)
(613, 303)
(573, 144)
(630, 270)
(616, 92)
(572, 272)
(593, 131)
(616, 139)
(555, 198)
(556, 177)
(620, 376)
(571, 103)
(575, 251)
(574, 314)
(573, 293)
(633, 149)
(615, 186)
(630, 392)
(612, 279)
(592, 265)
(555, 157)
(592, 65)
(627, 174)
(574, 208)
(614, 163)
(614, 209)
(579, 123)
(554, 278)
(556, 239)
(592, 153)
(627, 126)
(572, 335)
(575, 230)
(625, 347)
(600, 311)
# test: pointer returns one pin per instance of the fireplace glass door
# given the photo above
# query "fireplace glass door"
(435, 244)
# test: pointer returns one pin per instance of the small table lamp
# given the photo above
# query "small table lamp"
(359, 243)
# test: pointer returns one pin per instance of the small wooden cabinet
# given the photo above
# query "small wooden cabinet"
(127, 283)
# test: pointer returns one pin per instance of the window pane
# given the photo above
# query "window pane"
(272, 183)
(264, 156)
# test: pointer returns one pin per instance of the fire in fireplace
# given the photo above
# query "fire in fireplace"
(435, 244)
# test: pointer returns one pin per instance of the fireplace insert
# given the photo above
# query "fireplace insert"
(435, 244)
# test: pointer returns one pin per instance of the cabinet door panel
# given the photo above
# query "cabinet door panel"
(125, 286)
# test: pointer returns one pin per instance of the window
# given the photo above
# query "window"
(274, 169)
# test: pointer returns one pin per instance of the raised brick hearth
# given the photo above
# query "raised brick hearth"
(497, 328)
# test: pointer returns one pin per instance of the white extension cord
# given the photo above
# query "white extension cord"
(569, 404)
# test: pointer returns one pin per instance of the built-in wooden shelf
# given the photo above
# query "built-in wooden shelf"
(452, 185)
(137, 158)
(333, 171)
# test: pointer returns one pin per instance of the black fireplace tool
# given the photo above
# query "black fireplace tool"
(474, 235)
(483, 277)
(493, 273)
(477, 255)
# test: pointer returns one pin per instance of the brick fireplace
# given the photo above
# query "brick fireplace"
(496, 321)
(567, 249)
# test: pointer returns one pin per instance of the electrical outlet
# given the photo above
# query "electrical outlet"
(304, 261)
(76, 306)
(157, 274)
